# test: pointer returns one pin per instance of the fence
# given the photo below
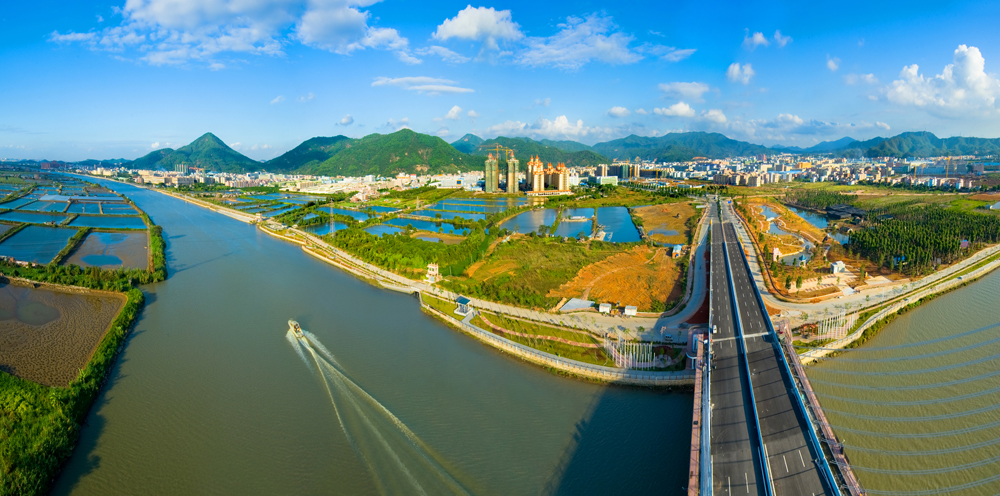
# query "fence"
(598, 372)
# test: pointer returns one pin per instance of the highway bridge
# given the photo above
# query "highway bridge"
(762, 441)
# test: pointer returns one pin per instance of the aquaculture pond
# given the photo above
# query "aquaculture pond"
(36, 243)
(359, 216)
(426, 225)
(281, 211)
(84, 208)
(32, 218)
(108, 222)
(16, 203)
(381, 229)
(449, 215)
(111, 250)
(118, 209)
(324, 229)
(383, 210)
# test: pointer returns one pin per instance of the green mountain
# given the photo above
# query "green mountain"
(311, 152)
(467, 143)
(525, 148)
(567, 145)
(821, 147)
(208, 152)
(389, 154)
(678, 147)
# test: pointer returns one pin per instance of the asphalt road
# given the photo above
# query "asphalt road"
(734, 463)
(790, 458)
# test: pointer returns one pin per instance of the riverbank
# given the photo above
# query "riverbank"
(318, 248)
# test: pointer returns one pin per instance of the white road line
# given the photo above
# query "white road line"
(800, 458)
(786, 463)
(748, 481)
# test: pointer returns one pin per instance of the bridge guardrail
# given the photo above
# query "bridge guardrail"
(813, 439)
(764, 466)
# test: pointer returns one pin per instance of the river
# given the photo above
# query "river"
(209, 397)
(917, 406)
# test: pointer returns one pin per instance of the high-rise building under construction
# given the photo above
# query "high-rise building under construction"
(512, 164)
(492, 175)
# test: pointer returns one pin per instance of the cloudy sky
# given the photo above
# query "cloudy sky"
(121, 78)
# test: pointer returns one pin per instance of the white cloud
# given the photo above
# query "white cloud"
(256, 147)
(486, 25)
(473, 114)
(180, 31)
(155, 145)
(691, 91)
(641, 111)
(790, 128)
(422, 84)
(881, 125)
(962, 86)
(307, 98)
(543, 103)
(560, 128)
(751, 42)
(679, 109)
(347, 120)
(578, 42)
(236, 146)
(445, 54)
(714, 115)
(780, 40)
(100, 18)
(393, 125)
(832, 63)
(740, 74)
(666, 53)
(454, 114)
(278, 99)
(618, 112)
(860, 78)
(442, 132)
(56, 37)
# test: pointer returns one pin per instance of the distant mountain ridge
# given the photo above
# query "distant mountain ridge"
(821, 147)
(675, 147)
(525, 148)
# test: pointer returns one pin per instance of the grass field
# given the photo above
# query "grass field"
(667, 217)
(588, 355)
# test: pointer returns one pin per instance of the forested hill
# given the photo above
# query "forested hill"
(674, 147)
(467, 143)
(525, 148)
(389, 154)
(311, 152)
(208, 152)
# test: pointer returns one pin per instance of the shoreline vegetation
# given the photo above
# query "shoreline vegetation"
(40, 425)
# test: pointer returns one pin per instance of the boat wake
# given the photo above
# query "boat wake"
(399, 462)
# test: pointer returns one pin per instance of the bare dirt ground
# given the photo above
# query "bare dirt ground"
(131, 249)
(636, 277)
(47, 336)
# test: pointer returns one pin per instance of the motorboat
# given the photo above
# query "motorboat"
(295, 328)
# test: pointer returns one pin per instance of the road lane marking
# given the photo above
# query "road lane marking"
(799, 451)
(786, 463)
(748, 481)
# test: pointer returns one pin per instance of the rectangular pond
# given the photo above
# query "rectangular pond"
(84, 208)
(281, 211)
(381, 229)
(359, 216)
(36, 243)
(112, 250)
(383, 210)
(449, 215)
(324, 229)
(426, 225)
(108, 222)
(123, 209)
(16, 203)
(33, 218)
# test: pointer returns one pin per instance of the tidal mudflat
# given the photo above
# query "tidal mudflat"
(111, 250)
(47, 335)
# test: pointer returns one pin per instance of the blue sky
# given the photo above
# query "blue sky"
(121, 78)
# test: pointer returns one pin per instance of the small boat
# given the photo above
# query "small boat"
(295, 328)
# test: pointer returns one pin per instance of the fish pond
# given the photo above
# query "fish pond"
(108, 222)
(111, 250)
(426, 225)
(31, 218)
(37, 244)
